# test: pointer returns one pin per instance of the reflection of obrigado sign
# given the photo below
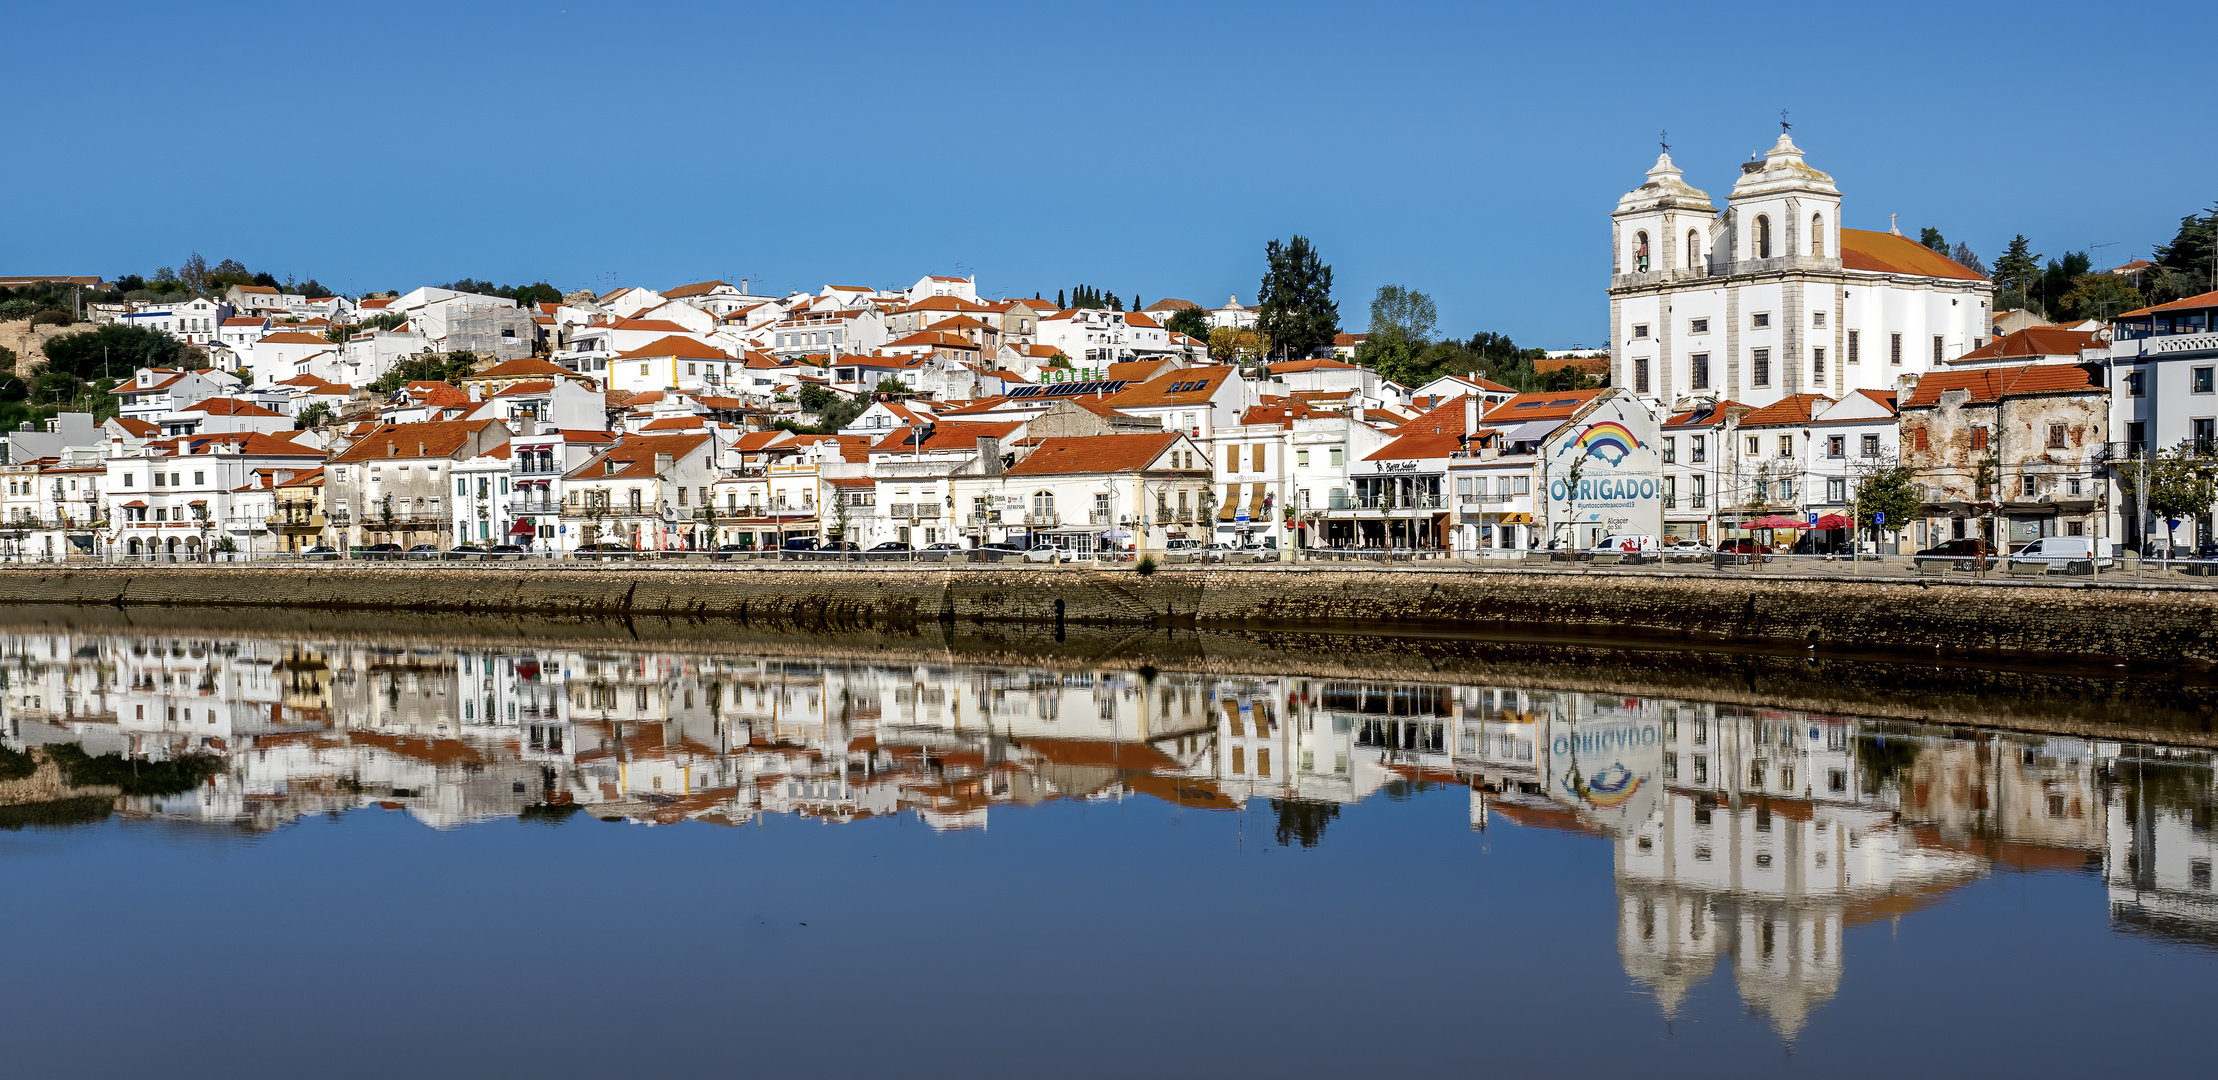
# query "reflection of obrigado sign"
(1602, 741)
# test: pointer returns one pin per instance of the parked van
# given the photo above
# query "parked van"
(2060, 552)
(1628, 544)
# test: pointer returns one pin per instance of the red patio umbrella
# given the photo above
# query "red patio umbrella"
(1831, 521)
(1775, 521)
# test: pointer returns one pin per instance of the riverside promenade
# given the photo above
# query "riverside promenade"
(2113, 617)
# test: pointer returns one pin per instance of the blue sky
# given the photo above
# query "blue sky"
(1469, 150)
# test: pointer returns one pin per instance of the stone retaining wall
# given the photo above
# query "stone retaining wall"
(2137, 624)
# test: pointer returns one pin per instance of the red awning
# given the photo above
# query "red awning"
(522, 528)
(1831, 521)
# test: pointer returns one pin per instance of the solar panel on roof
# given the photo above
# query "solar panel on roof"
(1526, 405)
(1565, 401)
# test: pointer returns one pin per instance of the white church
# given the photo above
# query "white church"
(1773, 297)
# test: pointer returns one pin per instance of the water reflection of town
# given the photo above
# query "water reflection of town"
(1751, 836)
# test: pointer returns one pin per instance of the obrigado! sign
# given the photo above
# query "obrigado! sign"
(1605, 474)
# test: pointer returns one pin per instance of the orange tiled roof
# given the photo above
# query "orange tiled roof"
(1792, 409)
(1547, 406)
(1990, 384)
(2035, 341)
(1425, 445)
(945, 436)
(1864, 249)
(2200, 300)
(1201, 382)
(436, 438)
(634, 456)
(1095, 454)
(684, 348)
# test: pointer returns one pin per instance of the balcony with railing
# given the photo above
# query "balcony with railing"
(1043, 518)
(296, 517)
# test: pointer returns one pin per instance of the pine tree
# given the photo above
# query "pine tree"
(1295, 309)
(1059, 300)
(1135, 301)
(2019, 266)
(1932, 238)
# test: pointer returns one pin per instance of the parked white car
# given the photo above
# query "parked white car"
(1047, 553)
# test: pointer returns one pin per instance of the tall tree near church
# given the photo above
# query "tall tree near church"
(2018, 269)
(1969, 260)
(2188, 266)
(1932, 238)
(1295, 309)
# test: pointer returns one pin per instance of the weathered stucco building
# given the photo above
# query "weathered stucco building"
(2008, 454)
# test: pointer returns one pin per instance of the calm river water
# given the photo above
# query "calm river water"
(362, 857)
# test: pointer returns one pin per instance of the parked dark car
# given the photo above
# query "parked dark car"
(464, 551)
(1966, 552)
(893, 545)
(728, 550)
(1970, 546)
(1742, 547)
(799, 543)
(508, 551)
(606, 549)
(381, 551)
(996, 552)
(1817, 543)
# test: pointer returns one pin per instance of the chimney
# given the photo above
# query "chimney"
(743, 286)
(989, 455)
(420, 449)
(663, 462)
(1470, 413)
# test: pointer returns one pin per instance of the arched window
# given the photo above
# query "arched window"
(1640, 253)
(1817, 236)
(1694, 249)
(1043, 505)
(1760, 242)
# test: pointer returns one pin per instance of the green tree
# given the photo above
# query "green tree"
(1395, 358)
(1404, 313)
(1567, 377)
(890, 385)
(2057, 278)
(1888, 489)
(117, 349)
(2180, 485)
(314, 416)
(1295, 306)
(1932, 238)
(2097, 296)
(1192, 322)
(1968, 259)
(2188, 266)
(2017, 270)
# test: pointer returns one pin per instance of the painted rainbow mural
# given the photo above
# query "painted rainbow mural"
(1608, 440)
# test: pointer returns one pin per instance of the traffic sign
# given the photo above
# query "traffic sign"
(1879, 517)
(1813, 517)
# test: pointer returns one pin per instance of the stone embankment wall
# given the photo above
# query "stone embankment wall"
(2090, 622)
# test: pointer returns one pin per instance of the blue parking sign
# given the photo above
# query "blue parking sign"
(1879, 517)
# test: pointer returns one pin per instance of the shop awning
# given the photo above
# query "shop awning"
(1517, 519)
(1231, 500)
(1255, 502)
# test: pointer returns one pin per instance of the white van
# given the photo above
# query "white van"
(2060, 552)
(1628, 544)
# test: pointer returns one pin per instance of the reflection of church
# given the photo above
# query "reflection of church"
(1758, 837)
